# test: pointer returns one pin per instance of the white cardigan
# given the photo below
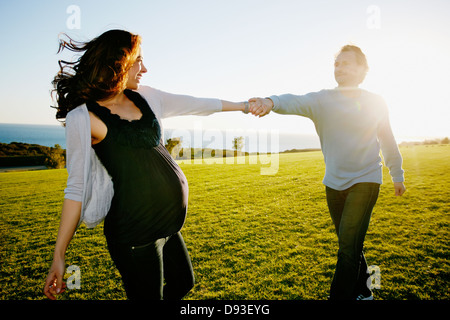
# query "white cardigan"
(88, 181)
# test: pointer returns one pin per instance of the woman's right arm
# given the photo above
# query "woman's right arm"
(70, 216)
(77, 135)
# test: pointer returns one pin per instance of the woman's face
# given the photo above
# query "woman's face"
(135, 73)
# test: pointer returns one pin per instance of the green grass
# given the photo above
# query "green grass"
(250, 236)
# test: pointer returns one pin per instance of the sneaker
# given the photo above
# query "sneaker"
(362, 297)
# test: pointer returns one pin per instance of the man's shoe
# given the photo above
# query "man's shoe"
(362, 297)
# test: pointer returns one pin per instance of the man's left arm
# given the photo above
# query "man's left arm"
(391, 154)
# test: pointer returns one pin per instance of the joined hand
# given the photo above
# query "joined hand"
(260, 107)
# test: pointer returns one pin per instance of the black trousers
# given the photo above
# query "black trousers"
(351, 210)
(158, 270)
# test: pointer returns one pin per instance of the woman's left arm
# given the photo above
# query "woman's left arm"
(235, 106)
(178, 105)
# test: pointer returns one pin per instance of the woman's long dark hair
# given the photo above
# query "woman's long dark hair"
(100, 73)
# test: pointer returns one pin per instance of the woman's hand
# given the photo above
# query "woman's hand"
(260, 107)
(70, 216)
(54, 284)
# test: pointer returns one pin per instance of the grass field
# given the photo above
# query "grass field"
(250, 236)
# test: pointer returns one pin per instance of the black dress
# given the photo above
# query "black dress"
(150, 190)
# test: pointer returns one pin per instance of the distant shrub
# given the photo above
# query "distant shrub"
(55, 157)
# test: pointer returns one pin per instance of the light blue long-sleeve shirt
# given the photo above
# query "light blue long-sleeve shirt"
(351, 132)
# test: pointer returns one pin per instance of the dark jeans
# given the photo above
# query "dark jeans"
(145, 268)
(350, 211)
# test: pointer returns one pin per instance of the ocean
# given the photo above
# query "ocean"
(253, 141)
(45, 135)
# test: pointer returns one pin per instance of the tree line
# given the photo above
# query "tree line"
(425, 142)
(176, 150)
(18, 154)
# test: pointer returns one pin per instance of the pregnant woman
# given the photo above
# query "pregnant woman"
(120, 171)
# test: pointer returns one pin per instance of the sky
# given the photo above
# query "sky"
(238, 49)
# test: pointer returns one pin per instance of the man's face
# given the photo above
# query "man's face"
(347, 71)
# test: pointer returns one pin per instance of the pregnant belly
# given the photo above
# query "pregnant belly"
(149, 203)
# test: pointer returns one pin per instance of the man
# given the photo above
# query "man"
(353, 125)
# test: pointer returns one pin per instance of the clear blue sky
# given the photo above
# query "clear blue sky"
(237, 49)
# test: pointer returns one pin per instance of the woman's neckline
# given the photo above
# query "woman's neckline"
(129, 94)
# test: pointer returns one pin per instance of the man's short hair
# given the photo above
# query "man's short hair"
(360, 56)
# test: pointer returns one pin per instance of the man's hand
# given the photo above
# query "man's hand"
(399, 188)
(260, 107)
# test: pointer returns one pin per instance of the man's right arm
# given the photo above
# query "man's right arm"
(301, 105)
